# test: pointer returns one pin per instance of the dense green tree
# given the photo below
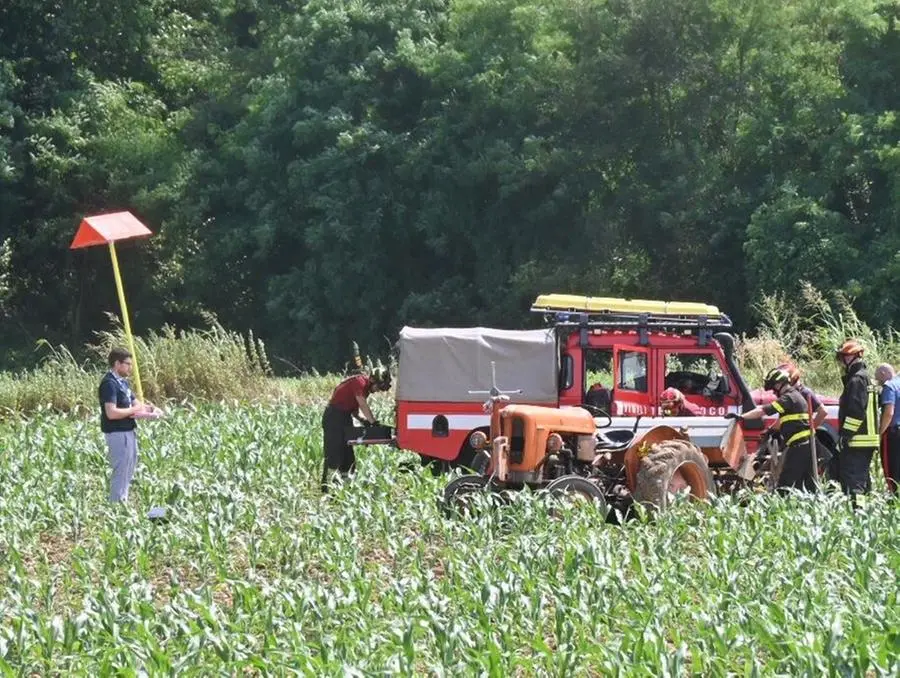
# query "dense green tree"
(328, 170)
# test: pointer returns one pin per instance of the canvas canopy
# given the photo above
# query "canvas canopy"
(444, 364)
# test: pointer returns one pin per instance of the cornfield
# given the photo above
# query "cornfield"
(257, 572)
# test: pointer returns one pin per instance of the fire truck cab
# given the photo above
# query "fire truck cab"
(610, 356)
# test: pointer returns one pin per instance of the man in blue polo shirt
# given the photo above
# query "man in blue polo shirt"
(890, 423)
(117, 409)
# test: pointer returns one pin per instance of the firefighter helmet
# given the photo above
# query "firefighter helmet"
(792, 370)
(671, 401)
(776, 377)
(381, 378)
(851, 347)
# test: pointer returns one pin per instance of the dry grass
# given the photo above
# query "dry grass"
(198, 364)
(215, 364)
(808, 330)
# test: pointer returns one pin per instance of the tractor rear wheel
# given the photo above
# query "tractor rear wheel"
(671, 466)
(459, 493)
(575, 488)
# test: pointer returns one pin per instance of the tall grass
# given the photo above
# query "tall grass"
(208, 364)
(60, 383)
(218, 364)
(808, 330)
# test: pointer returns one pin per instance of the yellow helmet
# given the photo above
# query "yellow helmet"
(775, 377)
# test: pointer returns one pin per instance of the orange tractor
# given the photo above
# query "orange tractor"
(562, 451)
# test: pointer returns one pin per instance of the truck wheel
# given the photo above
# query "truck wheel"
(576, 488)
(672, 465)
(458, 495)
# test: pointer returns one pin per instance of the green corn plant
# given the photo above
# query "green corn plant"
(257, 572)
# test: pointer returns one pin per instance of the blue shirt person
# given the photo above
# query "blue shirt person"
(117, 409)
(890, 396)
(890, 424)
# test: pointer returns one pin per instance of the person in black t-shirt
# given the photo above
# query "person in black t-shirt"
(118, 406)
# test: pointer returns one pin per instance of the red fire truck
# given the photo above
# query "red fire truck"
(607, 355)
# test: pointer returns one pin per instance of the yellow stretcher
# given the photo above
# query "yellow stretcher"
(613, 306)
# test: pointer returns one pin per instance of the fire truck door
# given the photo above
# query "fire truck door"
(632, 381)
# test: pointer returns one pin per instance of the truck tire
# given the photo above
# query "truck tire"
(671, 466)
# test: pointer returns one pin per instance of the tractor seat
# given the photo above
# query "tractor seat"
(615, 439)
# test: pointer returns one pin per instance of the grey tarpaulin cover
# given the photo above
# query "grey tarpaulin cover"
(444, 364)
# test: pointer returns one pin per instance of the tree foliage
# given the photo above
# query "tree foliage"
(329, 170)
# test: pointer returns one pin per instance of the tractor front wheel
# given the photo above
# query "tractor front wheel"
(671, 466)
(459, 493)
(575, 488)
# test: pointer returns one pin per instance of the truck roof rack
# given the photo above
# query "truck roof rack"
(569, 310)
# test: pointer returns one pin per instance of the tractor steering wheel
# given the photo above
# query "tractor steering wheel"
(598, 412)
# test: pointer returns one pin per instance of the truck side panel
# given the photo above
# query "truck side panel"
(439, 430)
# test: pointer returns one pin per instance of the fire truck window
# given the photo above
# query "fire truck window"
(598, 369)
(632, 371)
(695, 374)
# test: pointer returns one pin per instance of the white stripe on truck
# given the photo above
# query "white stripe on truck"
(703, 431)
(456, 422)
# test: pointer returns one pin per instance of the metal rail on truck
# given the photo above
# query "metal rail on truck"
(588, 313)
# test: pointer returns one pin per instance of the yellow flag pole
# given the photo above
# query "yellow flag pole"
(121, 290)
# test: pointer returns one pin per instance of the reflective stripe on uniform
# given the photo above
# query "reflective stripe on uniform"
(870, 438)
(794, 417)
(777, 407)
(852, 424)
(798, 437)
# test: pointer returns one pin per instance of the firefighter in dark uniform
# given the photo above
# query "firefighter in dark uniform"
(820, 414)
(858, 428)
(791, 407)
(347, 400)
